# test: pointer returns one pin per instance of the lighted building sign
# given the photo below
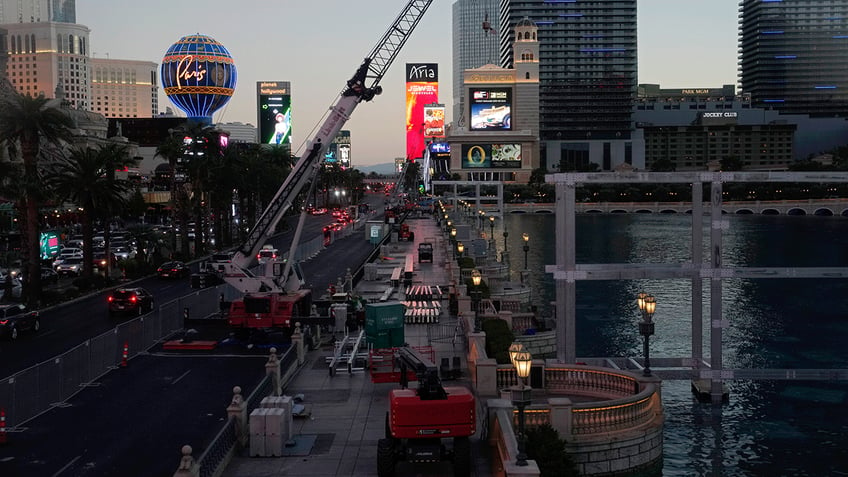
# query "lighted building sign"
(434, 121)
(199, 76)
(49, 245)
(422, 87)
(494, 156)
(491, 109)
(273, 100)
(338, 151)
(718, 117)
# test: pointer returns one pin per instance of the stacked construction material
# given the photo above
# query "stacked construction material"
(422, 312)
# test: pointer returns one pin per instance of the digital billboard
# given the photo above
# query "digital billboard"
(274, 111)
(434, 121)
(490, 109)
(422, 88)
(343, 148)
(494, 156)
(338, 151)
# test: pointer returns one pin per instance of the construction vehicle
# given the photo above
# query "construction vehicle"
(425, 252)
(404, 234)
(420, 422)
(273, 297)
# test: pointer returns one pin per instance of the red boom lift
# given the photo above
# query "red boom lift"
(419, 421)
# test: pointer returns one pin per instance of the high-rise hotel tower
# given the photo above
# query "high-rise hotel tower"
(587, 76)
(794, 55)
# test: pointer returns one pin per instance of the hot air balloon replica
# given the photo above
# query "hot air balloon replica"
(199, 76)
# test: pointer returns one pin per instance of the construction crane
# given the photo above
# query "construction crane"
(272, 299)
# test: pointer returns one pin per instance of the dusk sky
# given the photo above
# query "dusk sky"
(317, 46)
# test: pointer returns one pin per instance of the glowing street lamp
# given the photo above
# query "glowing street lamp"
(521, 395)
(476, 279)
(647, 305)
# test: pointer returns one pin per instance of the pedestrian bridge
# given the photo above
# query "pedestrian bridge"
(820, 207)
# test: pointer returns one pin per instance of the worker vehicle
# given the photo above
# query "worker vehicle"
(430, 424)
(425, 252)
(273, 297)
(404, 234)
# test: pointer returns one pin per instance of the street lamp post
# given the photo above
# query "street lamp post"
(492, 227)
(460, 248)
(526, 239)
(647, 305)
(521, 397)
(476, 278)
(524, 272)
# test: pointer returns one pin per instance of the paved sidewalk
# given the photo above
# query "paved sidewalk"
(346, 412)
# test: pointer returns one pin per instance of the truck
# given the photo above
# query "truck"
(274, 297)
(430, 424)
(425, 252)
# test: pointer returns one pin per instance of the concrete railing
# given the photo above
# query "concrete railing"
(617, 410)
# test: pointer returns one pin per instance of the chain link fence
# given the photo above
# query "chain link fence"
(35, 390)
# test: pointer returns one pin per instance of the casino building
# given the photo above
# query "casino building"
(500, 139)
(695, 128)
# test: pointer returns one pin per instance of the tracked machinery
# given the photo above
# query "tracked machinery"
(430, 424)
(274, 297)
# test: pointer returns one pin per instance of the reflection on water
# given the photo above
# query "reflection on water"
(780, 428)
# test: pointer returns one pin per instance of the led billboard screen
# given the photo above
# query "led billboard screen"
(495, 156)
(434, 121)
(491, 109)
(422, 87)
(274, 112)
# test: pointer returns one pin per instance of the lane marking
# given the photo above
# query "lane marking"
(181, 377)
(67, 465)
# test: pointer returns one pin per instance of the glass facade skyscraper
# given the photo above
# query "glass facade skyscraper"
(37, 11)
(475, 43)
(587, 68)
(794, 55)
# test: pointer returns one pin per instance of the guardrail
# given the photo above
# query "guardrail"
(29, 393)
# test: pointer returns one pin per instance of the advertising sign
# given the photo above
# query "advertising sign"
(434, 121)
(343, 148)
(491, 109)
(49, 245)
(274, 112)
(494, 156)
(422, 87)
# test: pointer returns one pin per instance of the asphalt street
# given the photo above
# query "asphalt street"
(133, 421)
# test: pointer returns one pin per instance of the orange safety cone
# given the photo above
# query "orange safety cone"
(125, 355)
(3, 439)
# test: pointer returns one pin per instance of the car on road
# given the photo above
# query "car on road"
(49, 276)
(70, 266)
(65, 254)
(121, 253)
(134, 301)
(175, 269)
(16, 318)
(16, 286)
(268, 252)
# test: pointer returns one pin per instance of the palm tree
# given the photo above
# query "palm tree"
(27, 125)
(114, 156)
(83, 180)
(172, 150)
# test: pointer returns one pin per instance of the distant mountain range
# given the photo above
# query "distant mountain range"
(387, 168)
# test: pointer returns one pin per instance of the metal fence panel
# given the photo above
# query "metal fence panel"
(34, 390)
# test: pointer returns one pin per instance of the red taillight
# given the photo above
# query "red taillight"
(133, 299)
(110, 299)
(3, 322)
